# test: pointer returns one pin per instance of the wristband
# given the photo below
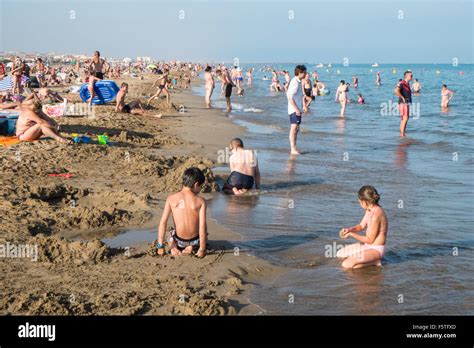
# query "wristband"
(160, 246)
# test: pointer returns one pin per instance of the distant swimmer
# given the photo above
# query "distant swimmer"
(378, 80)
(287, 79)
(446, 96)
(319, 88)
(244, 171)
(370, 249)
(416, 88)
(239, 79)
(249, 76)
(295, 106)
(341, 96)
(360, 99)
(209, 86)
(355, 81)
(275, 86)
(403, 92)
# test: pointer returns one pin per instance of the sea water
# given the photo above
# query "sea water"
(425, 181)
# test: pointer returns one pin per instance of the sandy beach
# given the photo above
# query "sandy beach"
(117, 187)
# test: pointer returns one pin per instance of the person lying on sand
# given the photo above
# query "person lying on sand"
(45, 94)
(5, 103)
(371, 248)
(135, 107)
(189, 217)
(244, 169)
(33, 123)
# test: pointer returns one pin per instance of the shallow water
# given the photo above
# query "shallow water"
(426, 191)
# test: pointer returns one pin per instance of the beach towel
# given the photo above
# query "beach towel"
(9, 112)
(7, 83)
(7, 141)
(57, 110)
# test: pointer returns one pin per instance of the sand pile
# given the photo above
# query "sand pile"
(56, 249)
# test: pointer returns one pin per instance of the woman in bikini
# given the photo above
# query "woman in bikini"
(32, 123)
(446, 96)
(308, 92)
(17, 72)
(370, 248)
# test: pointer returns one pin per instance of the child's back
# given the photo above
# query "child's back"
(189, 216)
(185, 206)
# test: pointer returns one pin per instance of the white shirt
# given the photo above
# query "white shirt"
(295, 91)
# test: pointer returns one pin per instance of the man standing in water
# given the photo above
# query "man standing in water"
(403, 92)
(295, 105)
(228, 85)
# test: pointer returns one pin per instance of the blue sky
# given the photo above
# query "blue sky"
(254, 31)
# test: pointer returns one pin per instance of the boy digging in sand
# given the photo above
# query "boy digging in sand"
(189, 217)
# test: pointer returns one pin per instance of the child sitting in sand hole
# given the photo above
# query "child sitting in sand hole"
(371, 247)
(189, 216)
(33, 123)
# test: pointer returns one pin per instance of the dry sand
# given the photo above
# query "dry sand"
(116, 187)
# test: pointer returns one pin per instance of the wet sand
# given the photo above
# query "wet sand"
(121, 186)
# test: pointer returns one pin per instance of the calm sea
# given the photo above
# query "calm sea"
(425, 180)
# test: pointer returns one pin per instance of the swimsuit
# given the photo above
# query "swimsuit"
(379, 248)
(366, 222)
(239, 181)
(295, 119)
(182, 243)
(126, 109)
(99, 75)
(405, 91)
(228, 90)
(161, 86)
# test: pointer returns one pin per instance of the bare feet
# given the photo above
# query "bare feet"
(295, 152)
(175, 251)
(188, 250)
(65, 141)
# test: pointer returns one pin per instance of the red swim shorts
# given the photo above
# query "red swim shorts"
(404, 110)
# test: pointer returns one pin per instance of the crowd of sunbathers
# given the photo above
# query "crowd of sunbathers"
(33, 84)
